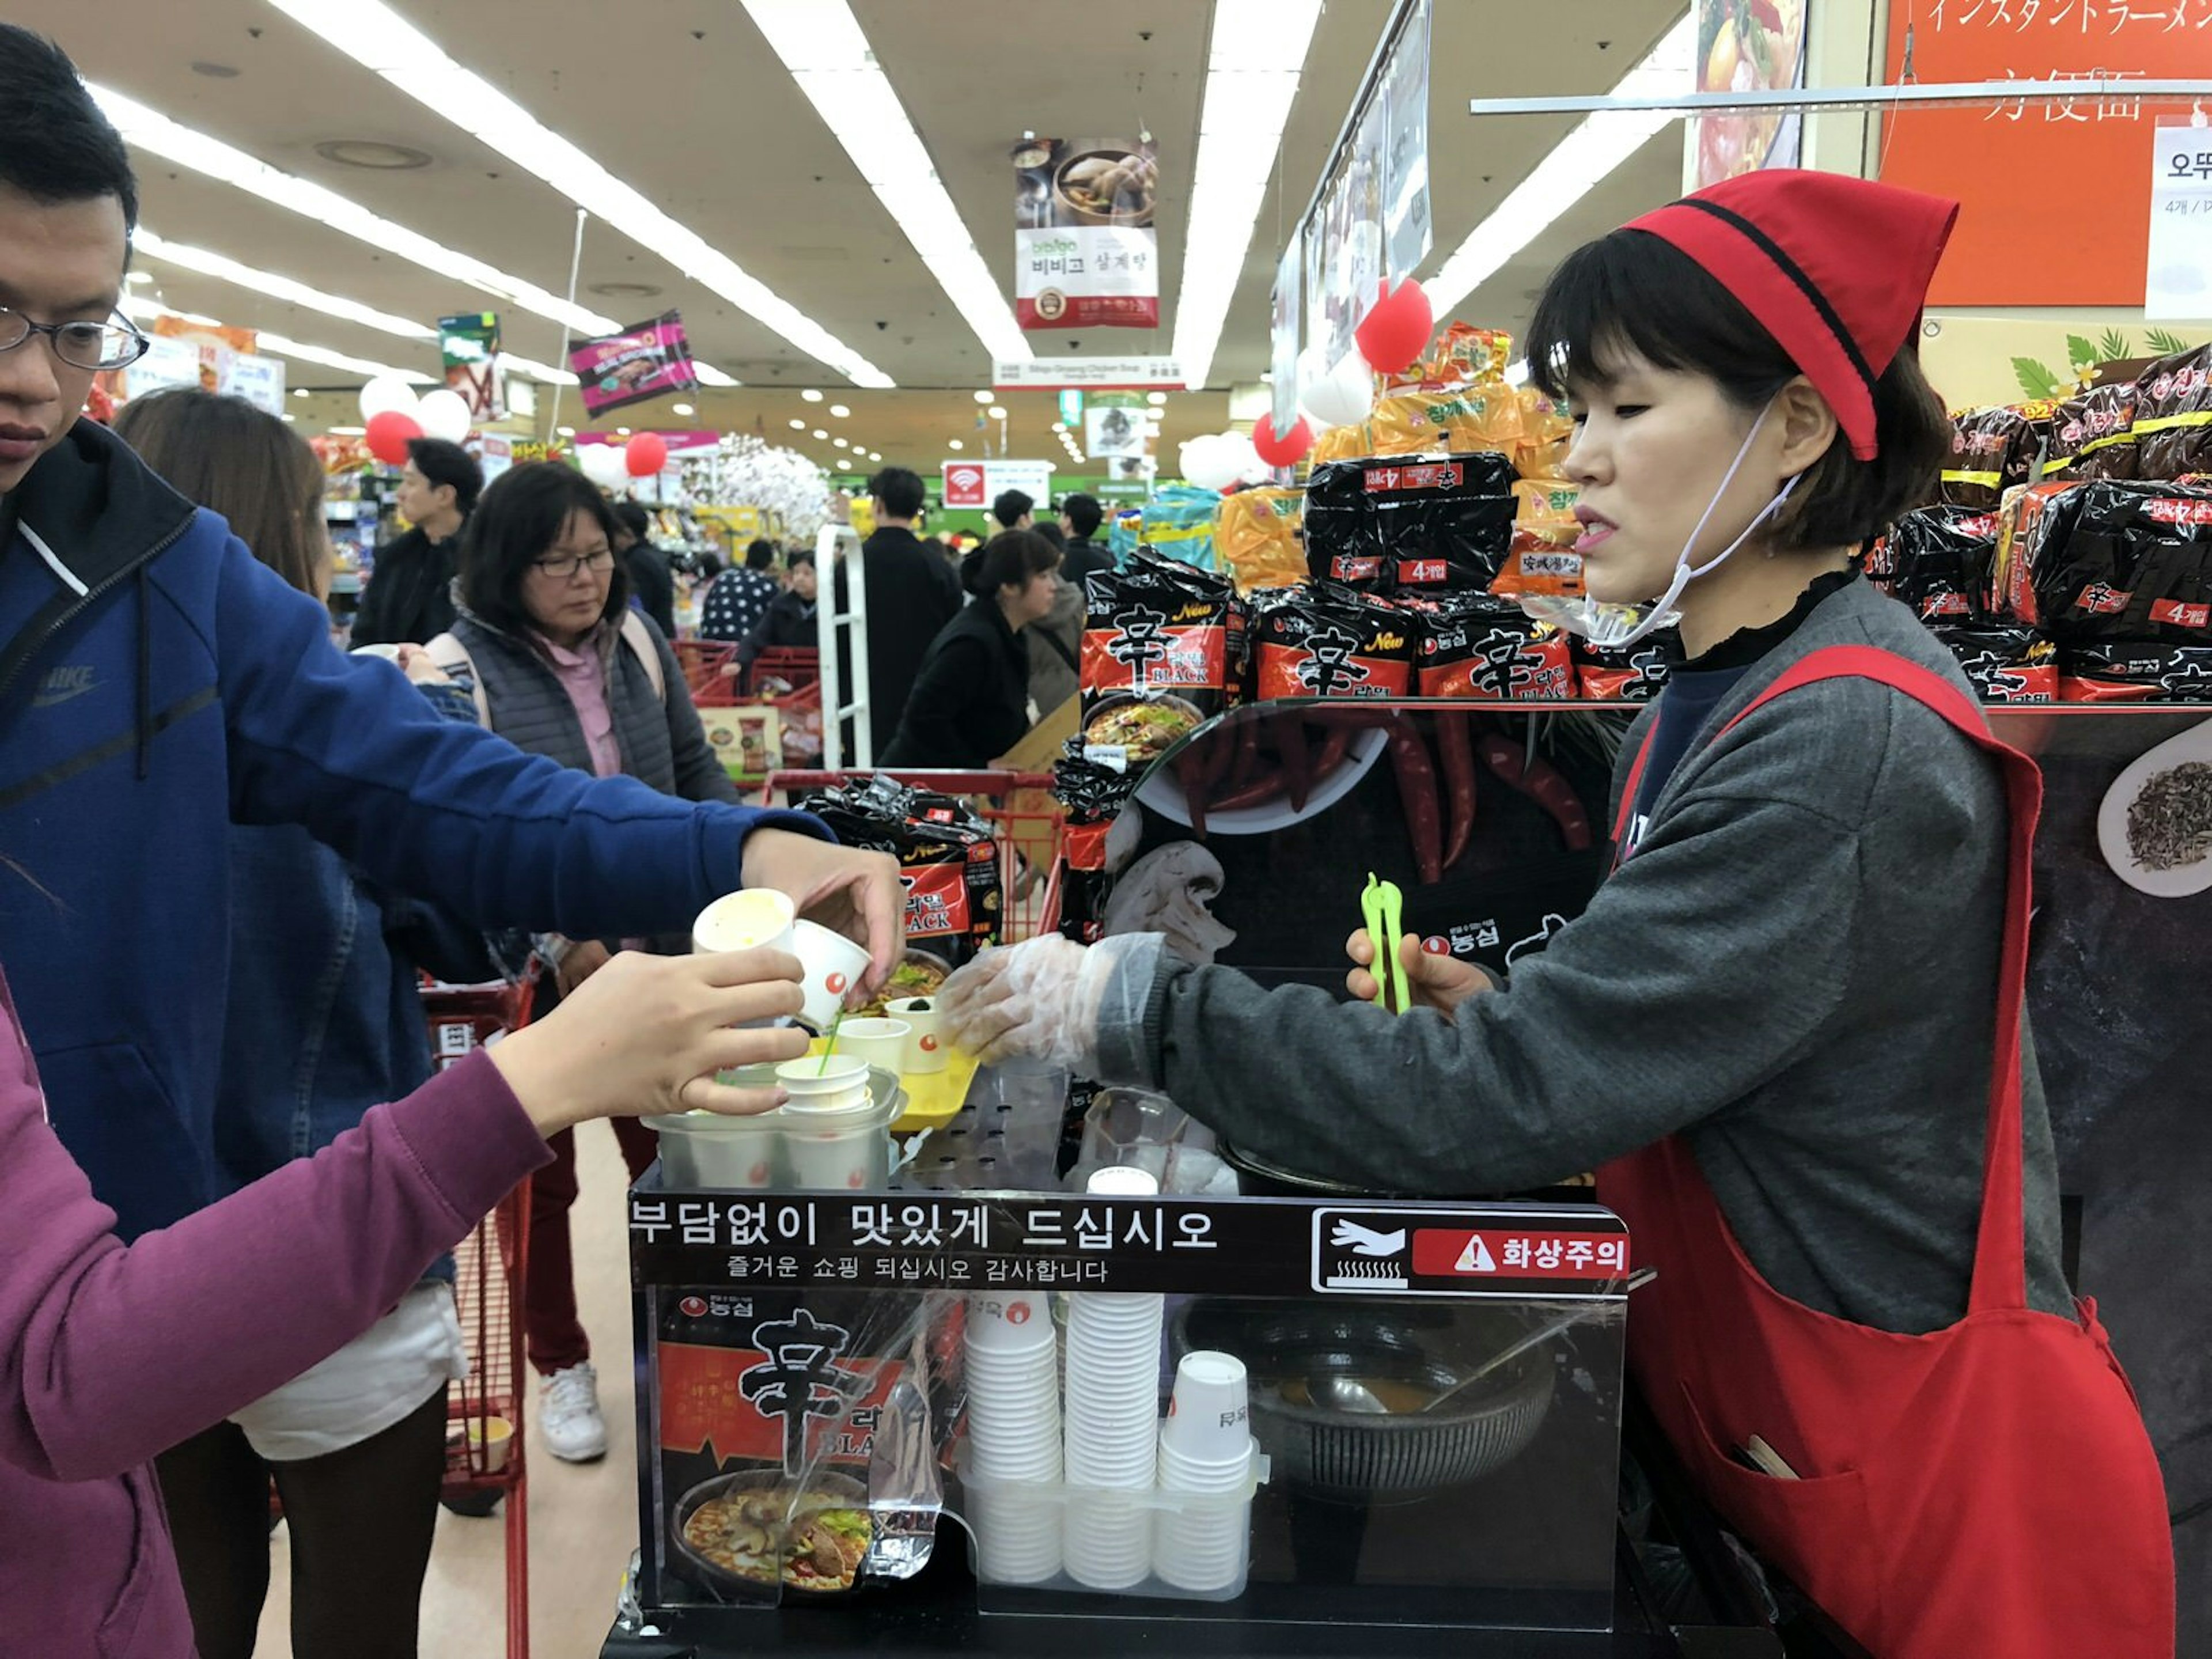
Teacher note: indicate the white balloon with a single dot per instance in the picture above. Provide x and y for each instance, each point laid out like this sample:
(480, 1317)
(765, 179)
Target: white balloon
(445, 415)
(1344, 396)
(387, 394)
(1213, 461)
(604, 465)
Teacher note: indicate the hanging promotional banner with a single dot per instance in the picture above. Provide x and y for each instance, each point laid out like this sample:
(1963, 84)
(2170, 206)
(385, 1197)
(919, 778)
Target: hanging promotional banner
(1409, 229)
(978, 483)
(1344, 255)
(1283, 337)
(639, 364)
(470, 346)
(1749, 46)
(2087, 152)
(259, 380)
(1091, 373)
(1114, 426)
(1085, 253)
(169, 362)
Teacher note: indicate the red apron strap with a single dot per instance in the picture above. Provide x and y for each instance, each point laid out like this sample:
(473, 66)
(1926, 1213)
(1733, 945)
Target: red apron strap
(1626, 815)
(2000, 1250)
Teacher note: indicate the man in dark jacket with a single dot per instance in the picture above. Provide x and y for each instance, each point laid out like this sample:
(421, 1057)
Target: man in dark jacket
(409, 599)
(158, 682)
(911, 593)
(652, 588)
(1079, 518)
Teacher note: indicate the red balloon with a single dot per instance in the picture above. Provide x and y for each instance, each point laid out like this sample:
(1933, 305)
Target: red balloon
(1287, 451)
(647, 453)
(389, 434)
(1397, 331)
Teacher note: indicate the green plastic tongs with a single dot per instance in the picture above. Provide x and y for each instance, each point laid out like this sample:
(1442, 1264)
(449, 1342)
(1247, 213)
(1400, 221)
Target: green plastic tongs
(1383, 906)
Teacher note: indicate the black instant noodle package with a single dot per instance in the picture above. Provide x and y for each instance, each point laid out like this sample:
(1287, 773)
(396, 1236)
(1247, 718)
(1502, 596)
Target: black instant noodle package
(1477, 645)
(1095, 794)
(2093, 436)
(1991, 450)
(2109, 560)
(1410, 523)
(1938, 560)
(1637, 674)
(2173, 416)
(1329, 641)
(948, 860)
(2125, 672)
(2006, 665)
(1162, 654)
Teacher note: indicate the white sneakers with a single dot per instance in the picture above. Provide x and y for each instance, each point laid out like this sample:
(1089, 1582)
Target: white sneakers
(569, 1415)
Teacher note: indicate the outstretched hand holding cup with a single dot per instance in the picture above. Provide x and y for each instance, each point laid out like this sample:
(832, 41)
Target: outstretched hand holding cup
(645, 1035)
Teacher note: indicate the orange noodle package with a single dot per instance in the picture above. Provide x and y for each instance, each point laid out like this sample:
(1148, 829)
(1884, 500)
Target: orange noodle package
(1259, 539)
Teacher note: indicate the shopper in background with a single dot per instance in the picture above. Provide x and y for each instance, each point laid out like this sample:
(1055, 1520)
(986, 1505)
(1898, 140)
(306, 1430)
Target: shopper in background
(912, 590)
(1080, 517)
(1055, 640)
(1014, 510)
(357, 1444)
(110, 1351)
(971, 702)
(737, 599)
(409, 598)
(563, 668)
(652, 586)
(788, 624)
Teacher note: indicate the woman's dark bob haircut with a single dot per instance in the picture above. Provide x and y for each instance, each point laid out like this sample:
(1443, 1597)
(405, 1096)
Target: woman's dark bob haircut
(1633, 294)
(521, 515)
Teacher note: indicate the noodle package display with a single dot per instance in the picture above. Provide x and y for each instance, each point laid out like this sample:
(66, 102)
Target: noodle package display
(948, 862)
(2005, 665)
(1324, 643)
(1258, 538)
(766, 1406)
(2125, 672)
(2093, 436)
(1160, 633)
(1475, 646)
(1991, 451)
(1421, 525)
(1637, 674)
(1939, 560)
(2110, 562)
(2173, 416)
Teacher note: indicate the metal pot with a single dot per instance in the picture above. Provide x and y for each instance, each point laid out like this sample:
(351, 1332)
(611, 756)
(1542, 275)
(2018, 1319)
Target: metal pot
(1356, 1457)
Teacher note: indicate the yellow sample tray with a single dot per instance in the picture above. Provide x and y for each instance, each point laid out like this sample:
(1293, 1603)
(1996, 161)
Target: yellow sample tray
(934, 1098)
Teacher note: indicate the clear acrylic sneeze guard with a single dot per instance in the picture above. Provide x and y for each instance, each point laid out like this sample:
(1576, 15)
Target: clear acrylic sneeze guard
(804, 1405)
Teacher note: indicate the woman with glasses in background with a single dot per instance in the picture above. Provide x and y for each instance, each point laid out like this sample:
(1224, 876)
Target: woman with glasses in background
(562, 667)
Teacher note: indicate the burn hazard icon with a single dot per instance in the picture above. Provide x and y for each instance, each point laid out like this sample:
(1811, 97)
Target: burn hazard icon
(1475, 1258)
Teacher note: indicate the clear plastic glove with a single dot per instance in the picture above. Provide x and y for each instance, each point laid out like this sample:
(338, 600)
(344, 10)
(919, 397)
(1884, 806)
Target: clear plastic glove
(1047, 998)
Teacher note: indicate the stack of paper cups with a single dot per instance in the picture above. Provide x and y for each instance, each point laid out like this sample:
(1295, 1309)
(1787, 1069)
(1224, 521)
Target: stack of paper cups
(1203, 1544)
(1113, 1410)
(1013, 1438)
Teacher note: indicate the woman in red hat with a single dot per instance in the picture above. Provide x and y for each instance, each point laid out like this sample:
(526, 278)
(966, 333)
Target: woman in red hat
(1789, 1030)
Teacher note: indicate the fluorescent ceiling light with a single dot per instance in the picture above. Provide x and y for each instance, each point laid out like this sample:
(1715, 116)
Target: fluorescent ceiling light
(986, 397)
(301, 392)
(139, 276)
(1577, 165)
(278, 345)
(818, 433)
(622, 432)
(820, 43)
(380, 40)
(1156, 398)
(225, 269)
(565, 431)
(157, 135)
(797, 425)
(1257, 49)
(684, 409)
(839, 410)
(810, 396)
(954, 443)
(841, 443)
(349, 432)
(997, 412)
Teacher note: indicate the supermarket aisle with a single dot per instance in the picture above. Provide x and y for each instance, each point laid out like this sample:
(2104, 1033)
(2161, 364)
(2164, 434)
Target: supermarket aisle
(583, 1522)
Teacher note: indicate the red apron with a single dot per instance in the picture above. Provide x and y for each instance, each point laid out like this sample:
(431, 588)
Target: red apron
(1984, 1492)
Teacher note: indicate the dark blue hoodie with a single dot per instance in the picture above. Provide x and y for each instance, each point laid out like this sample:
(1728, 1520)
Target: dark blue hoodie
(156, 683)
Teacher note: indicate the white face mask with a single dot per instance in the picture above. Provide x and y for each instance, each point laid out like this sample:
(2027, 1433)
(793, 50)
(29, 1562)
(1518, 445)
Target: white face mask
(1617, 627)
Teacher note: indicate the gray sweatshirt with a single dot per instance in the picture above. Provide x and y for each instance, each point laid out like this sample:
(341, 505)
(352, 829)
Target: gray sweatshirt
(1797, 972)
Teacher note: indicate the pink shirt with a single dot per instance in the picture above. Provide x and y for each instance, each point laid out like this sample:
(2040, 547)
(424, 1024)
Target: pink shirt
(583, 676)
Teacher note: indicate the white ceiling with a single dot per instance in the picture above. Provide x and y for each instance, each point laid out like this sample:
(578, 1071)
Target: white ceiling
(682, 100)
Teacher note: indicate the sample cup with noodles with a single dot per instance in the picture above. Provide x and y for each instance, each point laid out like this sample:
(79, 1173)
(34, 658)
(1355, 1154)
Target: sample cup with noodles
(756, 918)
(925, 1042)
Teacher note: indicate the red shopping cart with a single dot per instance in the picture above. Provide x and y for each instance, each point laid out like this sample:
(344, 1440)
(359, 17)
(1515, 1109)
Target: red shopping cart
(1028, 823)
(484, 1461)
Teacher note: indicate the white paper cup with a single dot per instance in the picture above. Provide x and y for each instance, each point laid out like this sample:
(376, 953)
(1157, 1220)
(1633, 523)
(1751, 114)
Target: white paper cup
(1123, 1181)
(710, 1150)
(391, 654)
(1013, 1322)
(833, 966)
(925, 1043)
(1106, 1542)
(881, 1043)
(853, 1162)
(1181, 1473)
(752, 918)
(1018, 1536)
(1209, 1415)
(825, 1086)
(494, 1439)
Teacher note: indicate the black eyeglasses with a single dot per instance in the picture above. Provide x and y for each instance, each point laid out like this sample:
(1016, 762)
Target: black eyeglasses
(562, 569)
(112, 344)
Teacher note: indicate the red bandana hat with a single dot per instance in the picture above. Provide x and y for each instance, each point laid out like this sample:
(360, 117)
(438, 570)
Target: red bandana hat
(1836, 268)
